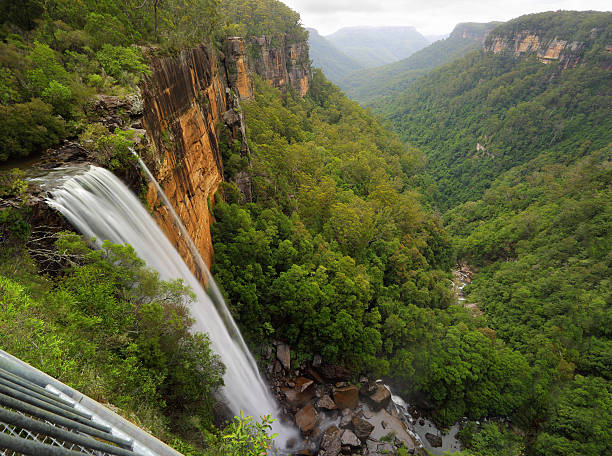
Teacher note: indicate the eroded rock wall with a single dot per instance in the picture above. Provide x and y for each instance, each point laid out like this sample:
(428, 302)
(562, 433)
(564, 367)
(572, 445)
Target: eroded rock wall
(184, 102)
(190, 103)
(473, 31)
(569, 54)
(282, 63)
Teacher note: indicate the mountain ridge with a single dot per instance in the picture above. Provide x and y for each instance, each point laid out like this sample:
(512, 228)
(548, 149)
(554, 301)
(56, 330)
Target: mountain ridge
(367, 85)
(372, 46)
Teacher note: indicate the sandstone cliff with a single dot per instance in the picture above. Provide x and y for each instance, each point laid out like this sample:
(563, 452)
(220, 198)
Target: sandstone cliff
(282, 63)
(191, 107)
(473, 30)
(568, 52)
(184, 104)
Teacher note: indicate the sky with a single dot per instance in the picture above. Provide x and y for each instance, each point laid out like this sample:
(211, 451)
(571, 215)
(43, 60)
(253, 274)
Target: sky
(430, 17)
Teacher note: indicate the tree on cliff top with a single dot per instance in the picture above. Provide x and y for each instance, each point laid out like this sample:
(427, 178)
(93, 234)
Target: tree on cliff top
(253, 18)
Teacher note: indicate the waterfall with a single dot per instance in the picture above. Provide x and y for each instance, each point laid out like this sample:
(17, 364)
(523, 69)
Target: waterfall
(101, 207)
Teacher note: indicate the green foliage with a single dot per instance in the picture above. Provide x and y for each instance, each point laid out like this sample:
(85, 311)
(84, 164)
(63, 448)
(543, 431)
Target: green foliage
(105, 29)
(111, 150)
(580, 420)
(338, 257)
(58, 96)
(123, 63)
(540, 235)
(372, 85)
(13, 184)
(490, 440)
(111, 328)
(255, 18)
(55, 48)
(27, 128)
(563, 25)
(243, 437)
(22, 13)
(486, 113)
(45, 68)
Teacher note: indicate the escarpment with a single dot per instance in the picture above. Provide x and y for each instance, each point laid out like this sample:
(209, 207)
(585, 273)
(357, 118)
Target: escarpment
(191, 113)
(568, 52)
(473, 31)
(282, 62)
(184, 101)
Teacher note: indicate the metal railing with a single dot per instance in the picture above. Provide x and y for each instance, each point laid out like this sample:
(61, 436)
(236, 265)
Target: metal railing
(41, 416)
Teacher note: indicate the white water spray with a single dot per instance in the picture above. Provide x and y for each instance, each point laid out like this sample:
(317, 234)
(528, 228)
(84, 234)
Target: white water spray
(100, 206)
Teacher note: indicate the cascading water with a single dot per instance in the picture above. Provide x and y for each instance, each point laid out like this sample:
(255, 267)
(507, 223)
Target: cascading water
(100, 206)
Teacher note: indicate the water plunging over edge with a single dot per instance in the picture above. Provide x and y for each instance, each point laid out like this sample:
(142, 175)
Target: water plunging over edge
(101, 207)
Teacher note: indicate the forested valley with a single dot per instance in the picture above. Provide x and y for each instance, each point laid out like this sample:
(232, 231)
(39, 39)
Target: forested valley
(469, 155)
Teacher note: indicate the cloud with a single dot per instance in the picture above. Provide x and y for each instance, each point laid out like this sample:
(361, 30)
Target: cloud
(428, 16)
(335, 6)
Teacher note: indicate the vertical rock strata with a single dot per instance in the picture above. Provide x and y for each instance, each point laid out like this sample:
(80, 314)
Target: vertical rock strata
(569, 54)
(189, 99)
(283, 64)
(184, 101)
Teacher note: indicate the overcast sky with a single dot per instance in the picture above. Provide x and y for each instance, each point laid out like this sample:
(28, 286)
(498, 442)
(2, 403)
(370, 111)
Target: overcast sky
(430, 17)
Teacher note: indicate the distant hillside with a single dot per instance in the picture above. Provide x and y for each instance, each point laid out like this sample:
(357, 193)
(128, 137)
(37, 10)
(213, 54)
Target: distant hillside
(434, 38)
(541, 84)
(335, 64)
(368, 85)
(375, 46)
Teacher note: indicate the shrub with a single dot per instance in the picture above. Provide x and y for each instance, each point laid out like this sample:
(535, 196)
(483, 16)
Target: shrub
(105, 29)
(247, 438)
(111, 150)
(27, 128)
(45, 67)
(123, 63)
(95, 80)
(60, 97)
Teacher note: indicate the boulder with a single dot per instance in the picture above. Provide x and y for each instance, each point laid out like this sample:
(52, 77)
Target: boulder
(326, 403)
(283, 353)
(303, 383)
(361, 428)
(330, 442)
(335, 373)
(313, 373)
(349, 438)
(306, 418)
(368, 388)
(372, 445)
(230, 117)
(296, 398)
(266, 351)
(346, 419)
(434, 440)
(317, 360)
(379, 398)
(346, 397)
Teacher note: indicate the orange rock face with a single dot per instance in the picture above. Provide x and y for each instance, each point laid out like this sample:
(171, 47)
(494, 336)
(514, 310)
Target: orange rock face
(184, 100)
(238, 69)
(187, 99)
(529, 43)
(569, 55)
(553, 51)
(281, 63)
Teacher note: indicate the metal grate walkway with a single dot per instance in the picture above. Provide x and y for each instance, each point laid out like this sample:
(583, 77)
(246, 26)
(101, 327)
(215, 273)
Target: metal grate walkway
(40, 416)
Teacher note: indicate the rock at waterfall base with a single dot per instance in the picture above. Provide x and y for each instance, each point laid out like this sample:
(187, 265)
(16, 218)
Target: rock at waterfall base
(346, 397)
(283, 353)
(434, 440)
(306, 418)
(361, 428)
(331, 443)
